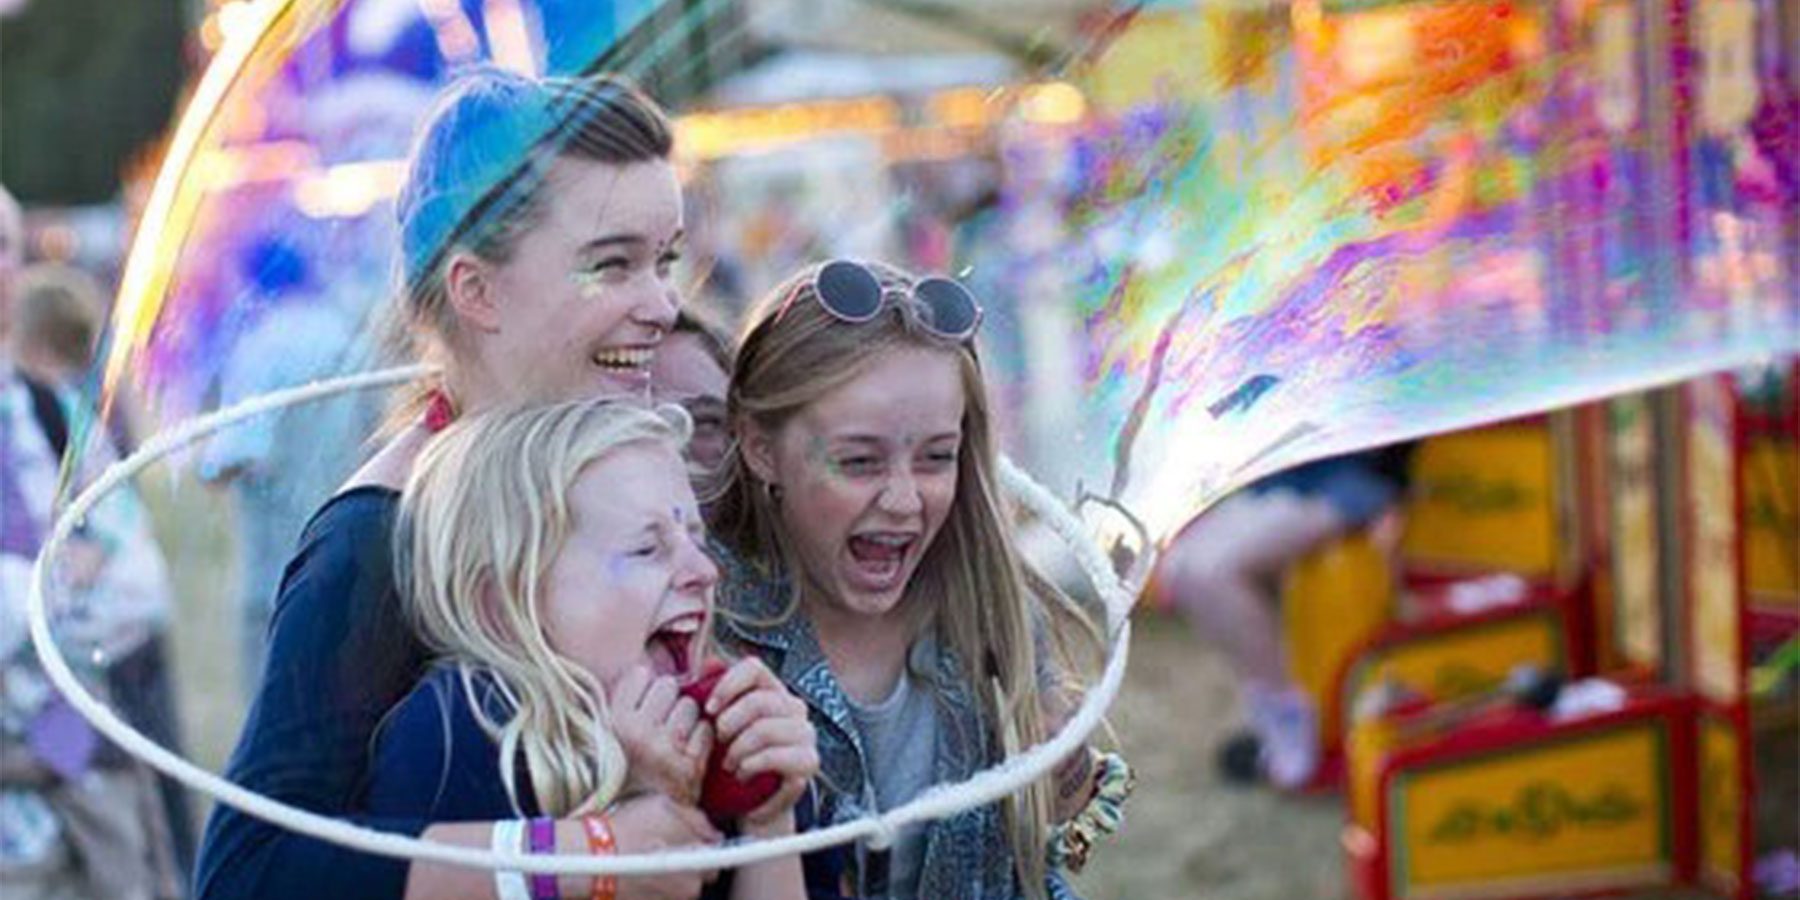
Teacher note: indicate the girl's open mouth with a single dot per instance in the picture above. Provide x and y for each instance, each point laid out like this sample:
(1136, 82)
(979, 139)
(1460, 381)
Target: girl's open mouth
(880, 556)
(673, 648)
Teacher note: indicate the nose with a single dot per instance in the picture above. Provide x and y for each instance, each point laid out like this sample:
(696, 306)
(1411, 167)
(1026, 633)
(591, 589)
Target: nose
(658, 308)
(900, 493)
(695, 570)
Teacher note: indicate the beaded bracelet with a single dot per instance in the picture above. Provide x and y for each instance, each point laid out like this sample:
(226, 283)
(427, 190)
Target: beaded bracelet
(601, 843)
(1071, 841)
(507, 837)
(543, 840)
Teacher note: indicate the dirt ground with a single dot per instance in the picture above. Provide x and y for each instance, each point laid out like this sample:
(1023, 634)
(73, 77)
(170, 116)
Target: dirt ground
(1186, 834)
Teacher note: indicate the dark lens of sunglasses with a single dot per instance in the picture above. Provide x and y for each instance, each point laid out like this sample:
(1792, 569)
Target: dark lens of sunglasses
(850, 291)
(950, 305)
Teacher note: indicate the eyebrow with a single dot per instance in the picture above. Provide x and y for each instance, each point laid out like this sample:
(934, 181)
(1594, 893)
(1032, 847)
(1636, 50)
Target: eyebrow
(659, 522)
(610, 241)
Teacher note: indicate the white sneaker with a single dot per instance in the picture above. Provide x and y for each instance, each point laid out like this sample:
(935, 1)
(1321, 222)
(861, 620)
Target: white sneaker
(1287, 725)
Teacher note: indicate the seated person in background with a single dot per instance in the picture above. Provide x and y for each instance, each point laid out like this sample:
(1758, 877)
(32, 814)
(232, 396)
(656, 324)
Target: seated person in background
(1223, 574)
(553, 560)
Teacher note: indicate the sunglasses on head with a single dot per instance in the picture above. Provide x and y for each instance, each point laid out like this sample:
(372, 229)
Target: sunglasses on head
(852, 293)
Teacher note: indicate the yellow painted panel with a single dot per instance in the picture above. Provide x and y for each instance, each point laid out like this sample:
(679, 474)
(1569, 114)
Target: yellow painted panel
(1581, 807)
(1772, 522)
(1721, 801)
(1333, 600)
(1485, 500)
(1469, 661)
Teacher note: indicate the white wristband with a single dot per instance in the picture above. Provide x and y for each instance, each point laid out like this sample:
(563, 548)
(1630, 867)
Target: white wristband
(508, 836)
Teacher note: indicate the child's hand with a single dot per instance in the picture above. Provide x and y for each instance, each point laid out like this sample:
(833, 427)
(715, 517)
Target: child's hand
(665, 742)
(654, 822)
(764, 729)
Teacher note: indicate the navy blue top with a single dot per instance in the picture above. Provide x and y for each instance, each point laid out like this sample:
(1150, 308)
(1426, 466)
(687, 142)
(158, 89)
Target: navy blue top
(340, 656)
(434, 761)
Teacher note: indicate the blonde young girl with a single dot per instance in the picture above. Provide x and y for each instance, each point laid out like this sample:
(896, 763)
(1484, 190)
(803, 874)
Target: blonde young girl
(876, 575)
(552, 559)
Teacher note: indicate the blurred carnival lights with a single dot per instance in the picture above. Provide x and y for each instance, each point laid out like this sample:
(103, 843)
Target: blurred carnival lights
(348, 190)
(1053, 103)
(246, 28)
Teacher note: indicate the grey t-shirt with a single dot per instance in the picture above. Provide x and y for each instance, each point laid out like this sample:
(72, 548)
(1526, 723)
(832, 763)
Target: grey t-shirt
(899, 734)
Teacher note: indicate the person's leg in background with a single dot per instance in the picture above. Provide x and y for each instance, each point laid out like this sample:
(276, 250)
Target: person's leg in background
(1222, 573)
(144, 692)
(112, 824)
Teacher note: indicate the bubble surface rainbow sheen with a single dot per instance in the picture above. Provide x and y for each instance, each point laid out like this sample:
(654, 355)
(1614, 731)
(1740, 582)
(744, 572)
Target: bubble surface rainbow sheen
(1212, 239)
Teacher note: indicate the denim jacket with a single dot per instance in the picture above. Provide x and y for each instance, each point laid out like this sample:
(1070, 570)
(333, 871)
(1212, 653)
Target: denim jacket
(968, 855)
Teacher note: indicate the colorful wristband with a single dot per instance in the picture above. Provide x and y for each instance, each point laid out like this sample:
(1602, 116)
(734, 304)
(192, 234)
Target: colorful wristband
(509, 885)
(543, 841)
(1071, 841)
(602, 843)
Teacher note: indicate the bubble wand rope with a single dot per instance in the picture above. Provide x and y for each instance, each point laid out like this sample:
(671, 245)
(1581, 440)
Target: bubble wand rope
(938, 802)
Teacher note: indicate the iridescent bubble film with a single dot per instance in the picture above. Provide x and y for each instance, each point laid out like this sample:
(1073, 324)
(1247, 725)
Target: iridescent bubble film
(1212, 239)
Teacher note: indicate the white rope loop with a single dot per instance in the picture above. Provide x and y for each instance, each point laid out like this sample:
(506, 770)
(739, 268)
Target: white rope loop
(939, 802)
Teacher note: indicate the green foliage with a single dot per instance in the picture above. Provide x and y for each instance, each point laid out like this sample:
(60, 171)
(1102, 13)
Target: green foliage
(84, 86)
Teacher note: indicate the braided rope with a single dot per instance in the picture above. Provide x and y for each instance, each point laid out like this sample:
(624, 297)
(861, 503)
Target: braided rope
(937, 803)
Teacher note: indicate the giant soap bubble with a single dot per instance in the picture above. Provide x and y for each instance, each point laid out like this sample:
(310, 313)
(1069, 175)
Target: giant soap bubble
(1213, 235)
(1214, 239)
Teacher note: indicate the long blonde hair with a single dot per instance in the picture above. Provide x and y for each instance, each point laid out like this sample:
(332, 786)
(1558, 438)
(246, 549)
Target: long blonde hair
(792, 354)
(482, 518)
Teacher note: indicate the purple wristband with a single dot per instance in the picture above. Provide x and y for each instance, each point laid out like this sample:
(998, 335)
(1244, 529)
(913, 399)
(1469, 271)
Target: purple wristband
(542, 839)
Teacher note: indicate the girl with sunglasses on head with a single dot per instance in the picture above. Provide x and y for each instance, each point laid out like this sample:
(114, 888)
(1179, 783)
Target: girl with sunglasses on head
(553, 557)
(872, 568)
(539, 222)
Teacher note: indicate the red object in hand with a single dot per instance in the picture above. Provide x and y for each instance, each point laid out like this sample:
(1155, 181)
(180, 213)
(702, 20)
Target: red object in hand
(724, 796)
